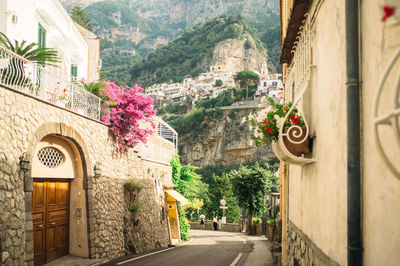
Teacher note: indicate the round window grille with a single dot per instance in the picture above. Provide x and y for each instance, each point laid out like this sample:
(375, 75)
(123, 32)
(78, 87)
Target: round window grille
(50, 157)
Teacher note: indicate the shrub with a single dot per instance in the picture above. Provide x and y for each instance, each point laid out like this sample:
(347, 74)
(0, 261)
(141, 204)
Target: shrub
(134, 207)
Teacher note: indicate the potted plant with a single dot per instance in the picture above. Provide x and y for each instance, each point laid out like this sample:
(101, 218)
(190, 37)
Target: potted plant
(294, 130)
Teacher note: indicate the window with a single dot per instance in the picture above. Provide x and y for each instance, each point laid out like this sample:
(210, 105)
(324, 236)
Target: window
(74, 71)
(41, 36)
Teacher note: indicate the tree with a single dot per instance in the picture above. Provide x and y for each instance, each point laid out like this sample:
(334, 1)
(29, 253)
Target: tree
(251, 185)
(189, 184)
(79, 16)
(221, 188)
(245, 77)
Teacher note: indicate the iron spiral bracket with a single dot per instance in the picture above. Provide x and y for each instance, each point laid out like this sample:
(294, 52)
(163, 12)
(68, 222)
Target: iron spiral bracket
(295, 135)
(391, 118)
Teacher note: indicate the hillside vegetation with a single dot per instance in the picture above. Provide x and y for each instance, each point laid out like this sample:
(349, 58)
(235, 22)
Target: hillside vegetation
(191, 52)
(131, 29)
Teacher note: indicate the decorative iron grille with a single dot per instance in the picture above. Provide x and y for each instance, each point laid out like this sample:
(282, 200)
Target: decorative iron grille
(50, 157)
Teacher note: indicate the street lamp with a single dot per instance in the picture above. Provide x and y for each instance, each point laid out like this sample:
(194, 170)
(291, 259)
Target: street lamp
(223, 207)
(25, 166)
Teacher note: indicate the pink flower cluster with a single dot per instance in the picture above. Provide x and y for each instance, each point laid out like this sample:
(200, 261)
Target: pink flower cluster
(126, 112)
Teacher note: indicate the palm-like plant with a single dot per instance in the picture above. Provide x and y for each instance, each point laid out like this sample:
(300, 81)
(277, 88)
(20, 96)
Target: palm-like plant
(32, 51)
(14, 73)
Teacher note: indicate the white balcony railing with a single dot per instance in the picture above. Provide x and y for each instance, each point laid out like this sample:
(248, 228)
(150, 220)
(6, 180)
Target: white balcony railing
(47, 83)
(54, 86)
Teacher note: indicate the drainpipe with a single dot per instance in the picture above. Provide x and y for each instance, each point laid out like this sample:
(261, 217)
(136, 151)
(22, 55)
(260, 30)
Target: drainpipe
(354, 255)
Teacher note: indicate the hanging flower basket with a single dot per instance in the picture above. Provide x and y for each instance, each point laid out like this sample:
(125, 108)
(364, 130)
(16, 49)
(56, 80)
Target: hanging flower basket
(296, 141)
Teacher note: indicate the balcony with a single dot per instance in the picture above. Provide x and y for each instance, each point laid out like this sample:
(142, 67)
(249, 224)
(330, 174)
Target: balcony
(52, 85)
(48, 84)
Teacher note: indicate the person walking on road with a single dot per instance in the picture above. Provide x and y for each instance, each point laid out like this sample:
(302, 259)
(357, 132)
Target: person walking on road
(215, 222)
(202, 222)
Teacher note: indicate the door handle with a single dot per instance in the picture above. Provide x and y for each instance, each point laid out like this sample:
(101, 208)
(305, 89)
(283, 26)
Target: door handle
(53, 223)
(39, 226)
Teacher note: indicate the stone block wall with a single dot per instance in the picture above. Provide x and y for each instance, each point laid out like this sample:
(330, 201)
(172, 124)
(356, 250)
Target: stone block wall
(302, 251)
(24, 121)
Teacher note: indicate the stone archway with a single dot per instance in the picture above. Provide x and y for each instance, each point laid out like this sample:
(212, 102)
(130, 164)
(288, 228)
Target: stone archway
(71, 176)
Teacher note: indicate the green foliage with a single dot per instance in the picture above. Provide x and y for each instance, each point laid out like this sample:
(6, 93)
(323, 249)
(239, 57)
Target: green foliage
(218, 83)
(251, 185)
(134, 207)
(109, 17)
(272, 222)
(94, 87)
(222, 188)
(31, 52)
(191, 52)
(132, 185)
(250, 189)
(184, 225)
(79, 16)
(257, 220)
(188, 183)
(132, 188)
(267, 127)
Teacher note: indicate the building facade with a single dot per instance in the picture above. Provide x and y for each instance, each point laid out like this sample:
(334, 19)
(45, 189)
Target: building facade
(47, 23)
(340, 202)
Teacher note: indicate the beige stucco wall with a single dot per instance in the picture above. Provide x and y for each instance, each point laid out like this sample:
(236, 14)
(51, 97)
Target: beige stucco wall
(381, 190)
(317, 192)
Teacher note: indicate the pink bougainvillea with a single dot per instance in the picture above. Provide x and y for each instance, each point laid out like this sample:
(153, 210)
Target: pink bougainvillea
(126, 112)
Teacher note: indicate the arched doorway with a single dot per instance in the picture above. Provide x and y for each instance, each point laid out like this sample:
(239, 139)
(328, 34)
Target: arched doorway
(58, 200)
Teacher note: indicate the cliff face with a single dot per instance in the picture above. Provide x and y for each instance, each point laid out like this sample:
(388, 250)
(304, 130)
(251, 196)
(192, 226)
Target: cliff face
(232, 54)
(228, 142)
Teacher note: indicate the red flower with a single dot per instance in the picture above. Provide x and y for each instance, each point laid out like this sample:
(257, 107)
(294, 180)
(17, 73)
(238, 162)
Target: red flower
(265, 122)
(292, 117)
(268, 130)
(388, 11)
(64, 90)
(296, 121)
(58, 82)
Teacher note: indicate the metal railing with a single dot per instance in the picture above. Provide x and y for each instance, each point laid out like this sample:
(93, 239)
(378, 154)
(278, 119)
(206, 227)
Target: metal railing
(48, 83)
(166, 131)
(54, 86)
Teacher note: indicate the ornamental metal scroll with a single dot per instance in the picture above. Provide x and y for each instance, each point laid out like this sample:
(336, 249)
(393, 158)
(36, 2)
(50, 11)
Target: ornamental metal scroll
(292, 133)
(391, 118)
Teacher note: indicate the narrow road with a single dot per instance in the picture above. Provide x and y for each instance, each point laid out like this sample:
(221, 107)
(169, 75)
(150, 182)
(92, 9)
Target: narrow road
(210, 248)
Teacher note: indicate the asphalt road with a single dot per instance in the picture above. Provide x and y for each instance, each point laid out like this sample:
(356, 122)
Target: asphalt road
(206, 248)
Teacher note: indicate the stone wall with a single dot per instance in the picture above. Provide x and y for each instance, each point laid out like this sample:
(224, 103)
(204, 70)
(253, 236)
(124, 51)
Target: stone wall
(302, 251)
(24, 121)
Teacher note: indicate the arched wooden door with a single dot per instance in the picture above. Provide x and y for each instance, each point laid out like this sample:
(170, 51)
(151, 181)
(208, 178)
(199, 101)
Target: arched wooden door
(50, 215)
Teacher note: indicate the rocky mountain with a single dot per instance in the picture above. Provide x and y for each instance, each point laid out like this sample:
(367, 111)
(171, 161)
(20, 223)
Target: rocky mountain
(228, 141)
(130, 29)
(225, 41)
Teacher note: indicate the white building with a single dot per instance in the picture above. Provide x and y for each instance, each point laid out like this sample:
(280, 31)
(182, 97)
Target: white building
(47, 23)
(270, 84)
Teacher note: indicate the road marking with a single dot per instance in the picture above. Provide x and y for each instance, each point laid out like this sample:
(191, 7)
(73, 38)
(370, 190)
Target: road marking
(136, 258)
(237, 259)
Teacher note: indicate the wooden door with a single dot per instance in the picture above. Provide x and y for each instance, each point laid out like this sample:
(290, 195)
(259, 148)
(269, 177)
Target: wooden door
(50, 215)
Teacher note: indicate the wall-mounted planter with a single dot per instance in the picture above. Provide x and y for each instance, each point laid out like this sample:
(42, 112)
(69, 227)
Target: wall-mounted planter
(300, 144)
